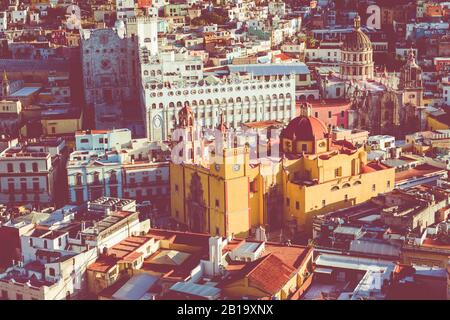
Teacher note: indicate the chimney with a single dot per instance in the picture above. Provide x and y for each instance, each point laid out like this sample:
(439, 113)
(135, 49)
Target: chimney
(215, 253)
(261, 234)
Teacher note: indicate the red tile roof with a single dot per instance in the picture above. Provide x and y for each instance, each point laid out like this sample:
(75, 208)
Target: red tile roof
(190, 238)
(262, 124)
(81, 132)
(293, 255)
(373, 166)
(435, 243)
(283, 57)
(270, 274)
(420, 170)
(103, 264)
(329, 103)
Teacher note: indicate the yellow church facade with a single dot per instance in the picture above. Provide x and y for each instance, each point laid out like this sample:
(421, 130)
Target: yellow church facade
(338, 190)
(315, 175)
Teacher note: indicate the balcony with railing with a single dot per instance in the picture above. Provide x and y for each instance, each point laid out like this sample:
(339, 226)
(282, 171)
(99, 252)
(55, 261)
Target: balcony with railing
(145, 184)
(113, 181)
(95, 183)
(24, 190)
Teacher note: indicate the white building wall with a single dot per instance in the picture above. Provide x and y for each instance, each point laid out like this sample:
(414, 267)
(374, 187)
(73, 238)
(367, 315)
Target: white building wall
(240, 100)
(3, 21)
(446, 94)
(324, 54)
(43, 177)
(133, 227)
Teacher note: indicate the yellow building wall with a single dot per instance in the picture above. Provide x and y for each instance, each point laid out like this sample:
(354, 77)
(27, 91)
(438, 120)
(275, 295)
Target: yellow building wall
(204, 181)
(225, 193)
(241, 192)
(177, 192)
(357, 189)
(97, 281)
(421, 257)
(433, 124)
(238, 211)
(241, 288)
(61, 126)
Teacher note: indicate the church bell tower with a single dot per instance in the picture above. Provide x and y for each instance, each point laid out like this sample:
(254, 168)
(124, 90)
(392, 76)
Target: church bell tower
(411, 82)
(5, 86)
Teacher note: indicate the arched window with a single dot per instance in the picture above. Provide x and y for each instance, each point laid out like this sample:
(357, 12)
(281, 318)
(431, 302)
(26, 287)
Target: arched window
(35, 167)
(113, 177)
(357, 183)
(334, 188)
(346, 185)
(22, 167)
(78, 181)
(96, 178)
(145, 73)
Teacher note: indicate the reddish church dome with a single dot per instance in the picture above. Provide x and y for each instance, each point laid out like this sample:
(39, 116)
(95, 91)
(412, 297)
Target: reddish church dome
(305, 127)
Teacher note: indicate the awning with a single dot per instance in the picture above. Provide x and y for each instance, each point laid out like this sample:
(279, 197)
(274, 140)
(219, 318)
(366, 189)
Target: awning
(323, 270)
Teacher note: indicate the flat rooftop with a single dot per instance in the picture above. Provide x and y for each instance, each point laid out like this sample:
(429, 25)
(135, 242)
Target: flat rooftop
(25, 92)
(271, 69)
(418, 171)
(106, 223)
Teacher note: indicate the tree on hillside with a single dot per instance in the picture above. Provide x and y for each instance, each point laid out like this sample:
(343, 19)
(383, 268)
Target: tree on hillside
(211, 17)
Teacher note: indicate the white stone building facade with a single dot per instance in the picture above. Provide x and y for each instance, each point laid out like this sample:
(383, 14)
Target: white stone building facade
(27, 175)
(112, 164)
(240, 99)
(111, 60)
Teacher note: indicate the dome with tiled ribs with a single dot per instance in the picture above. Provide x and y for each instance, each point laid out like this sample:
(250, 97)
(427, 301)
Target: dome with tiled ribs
(305, 127)
(357, 40)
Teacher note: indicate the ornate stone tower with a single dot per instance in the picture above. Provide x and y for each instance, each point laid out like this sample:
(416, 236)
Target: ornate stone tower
(187, 136)
(5, 86)
(357, 55)
(411, 82)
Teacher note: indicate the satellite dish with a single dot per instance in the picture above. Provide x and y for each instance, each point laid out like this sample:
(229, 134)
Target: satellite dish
(73, 14)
